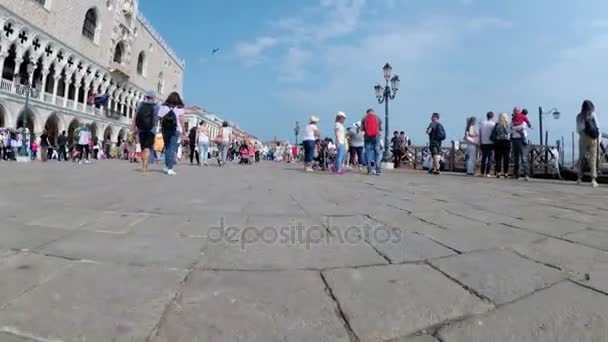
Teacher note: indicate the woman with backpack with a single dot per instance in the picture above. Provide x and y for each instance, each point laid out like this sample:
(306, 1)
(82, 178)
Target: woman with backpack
(589, 134)
(501, 136)
(171, 113)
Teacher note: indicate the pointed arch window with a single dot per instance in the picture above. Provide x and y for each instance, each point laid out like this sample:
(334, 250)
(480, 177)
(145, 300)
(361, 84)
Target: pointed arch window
(90, 24)
(118, 52)
(141, 63)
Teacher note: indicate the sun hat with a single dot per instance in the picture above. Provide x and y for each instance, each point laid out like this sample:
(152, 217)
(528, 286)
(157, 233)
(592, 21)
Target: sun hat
(314, 118)
(341, 114)
(151, 94)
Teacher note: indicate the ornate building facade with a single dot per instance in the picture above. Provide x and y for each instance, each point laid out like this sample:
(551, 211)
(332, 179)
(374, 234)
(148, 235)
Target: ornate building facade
(91, 62)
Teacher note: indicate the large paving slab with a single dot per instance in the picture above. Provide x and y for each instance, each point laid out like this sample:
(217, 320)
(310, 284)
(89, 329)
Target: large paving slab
(399, 300)
(592, 238)
(22, 272)
(19, 236)
(499, 275)
(251, 306)
(8, 337)
(575, 259)
(135, 249)
(564, 312)
(94, 303)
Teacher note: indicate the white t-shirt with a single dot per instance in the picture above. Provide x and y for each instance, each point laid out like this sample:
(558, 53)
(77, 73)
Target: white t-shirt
(203, 138)
(486, 132)
(226, 134)
(340, 133)
(178, 113)
(309, 132)
(84, 137)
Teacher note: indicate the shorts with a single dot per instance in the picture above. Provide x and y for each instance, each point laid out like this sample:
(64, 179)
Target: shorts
(435, 149)
(146, 140)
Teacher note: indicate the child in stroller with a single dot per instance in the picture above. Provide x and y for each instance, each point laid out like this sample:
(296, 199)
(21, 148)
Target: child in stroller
(244, 151)
(325, 155)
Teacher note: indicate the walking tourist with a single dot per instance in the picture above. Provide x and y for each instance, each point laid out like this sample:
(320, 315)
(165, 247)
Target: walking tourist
(44, 146)
(202, 139)
(589, 133)
(356, 144)
(397, 144)
(171, 114)
(62, 141)
(193, 147)
(372, 126)
(340, 133)
(487, 145)
(83, 144)
(472, 139)
(145, 124)
(437, 135)
(311, 134)
(519, 144)
(223, 143)
(501, 136)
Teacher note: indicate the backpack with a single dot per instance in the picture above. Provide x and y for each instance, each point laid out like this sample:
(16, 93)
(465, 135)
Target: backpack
(591, 128)
(169, 123)
(144, 121)
(371, 125)
(439, 133)
(499, 133)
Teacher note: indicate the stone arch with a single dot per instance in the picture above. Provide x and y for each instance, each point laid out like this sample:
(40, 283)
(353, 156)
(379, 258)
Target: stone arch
(122, 135)
(91, 24)
(108, 132)
(4, 116)
(119, 53)
(53, 127)
(142, 63)
(74, 125)
(32, 118)
(94, 129)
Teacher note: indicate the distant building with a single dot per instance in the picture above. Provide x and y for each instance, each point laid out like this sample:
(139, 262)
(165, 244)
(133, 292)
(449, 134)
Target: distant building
(92, 62)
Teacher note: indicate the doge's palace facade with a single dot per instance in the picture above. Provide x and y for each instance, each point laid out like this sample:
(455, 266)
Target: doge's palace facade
(92, 61)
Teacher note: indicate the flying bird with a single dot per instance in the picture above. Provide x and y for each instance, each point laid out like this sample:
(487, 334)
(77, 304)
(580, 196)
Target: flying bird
(214, 51)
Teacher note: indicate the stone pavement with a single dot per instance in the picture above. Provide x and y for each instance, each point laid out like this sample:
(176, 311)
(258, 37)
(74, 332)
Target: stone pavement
(99, 253)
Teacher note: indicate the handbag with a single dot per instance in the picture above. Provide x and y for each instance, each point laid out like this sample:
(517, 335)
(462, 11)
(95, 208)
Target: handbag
(219, 139)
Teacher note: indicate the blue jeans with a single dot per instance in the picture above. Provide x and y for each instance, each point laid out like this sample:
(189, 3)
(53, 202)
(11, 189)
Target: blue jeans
(471, 158)
(203, 152)
(341, 153)
(520, 158)
(170, 139)
(309, 151)
(372, 154)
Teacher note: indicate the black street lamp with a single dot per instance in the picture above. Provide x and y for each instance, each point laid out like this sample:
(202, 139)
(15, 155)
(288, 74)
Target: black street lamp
(384, 95)
(27, 89)
(541, 113)
(296, 131)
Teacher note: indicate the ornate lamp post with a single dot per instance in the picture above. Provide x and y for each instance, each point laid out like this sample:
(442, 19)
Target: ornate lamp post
(541, 113)
(27, 89)
(384, 95)
(296, 131)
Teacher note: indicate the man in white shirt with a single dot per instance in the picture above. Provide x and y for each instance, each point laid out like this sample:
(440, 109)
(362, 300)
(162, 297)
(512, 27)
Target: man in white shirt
(487, 145)
(83, 143)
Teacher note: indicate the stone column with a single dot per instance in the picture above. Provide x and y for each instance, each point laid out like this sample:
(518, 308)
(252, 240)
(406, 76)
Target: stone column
(56, 78)
(68, 82)
(45, 73)
(86, 97)
(76, 92)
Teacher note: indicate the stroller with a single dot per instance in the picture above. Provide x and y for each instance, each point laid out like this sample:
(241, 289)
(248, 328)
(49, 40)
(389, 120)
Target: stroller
(244, 151)
(326, 157)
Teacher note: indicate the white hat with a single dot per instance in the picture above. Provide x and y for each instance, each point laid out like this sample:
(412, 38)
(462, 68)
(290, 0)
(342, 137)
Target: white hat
(341, 114)
(314, 119)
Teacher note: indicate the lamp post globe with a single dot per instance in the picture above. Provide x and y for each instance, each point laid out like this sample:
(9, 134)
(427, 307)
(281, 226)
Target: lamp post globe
(384, 94)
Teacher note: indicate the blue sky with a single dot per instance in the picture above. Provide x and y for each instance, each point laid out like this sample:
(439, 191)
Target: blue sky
(280, 61)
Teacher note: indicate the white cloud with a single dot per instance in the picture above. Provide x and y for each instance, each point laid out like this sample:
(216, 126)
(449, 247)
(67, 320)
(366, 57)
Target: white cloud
(482, 23)
(251, 52)
(293, 64)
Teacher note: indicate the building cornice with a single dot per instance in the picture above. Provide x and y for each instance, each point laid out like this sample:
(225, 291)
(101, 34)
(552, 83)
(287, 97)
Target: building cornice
(159, 39)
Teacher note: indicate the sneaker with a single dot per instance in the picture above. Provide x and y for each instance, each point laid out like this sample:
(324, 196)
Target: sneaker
(594, 184)
(578, 181)
(488, 175)
(527, 179)
(340, 173)
(165, 169)
(87, 162)
(170, 172)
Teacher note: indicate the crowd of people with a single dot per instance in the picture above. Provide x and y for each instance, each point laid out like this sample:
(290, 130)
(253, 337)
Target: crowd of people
(503, 139)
